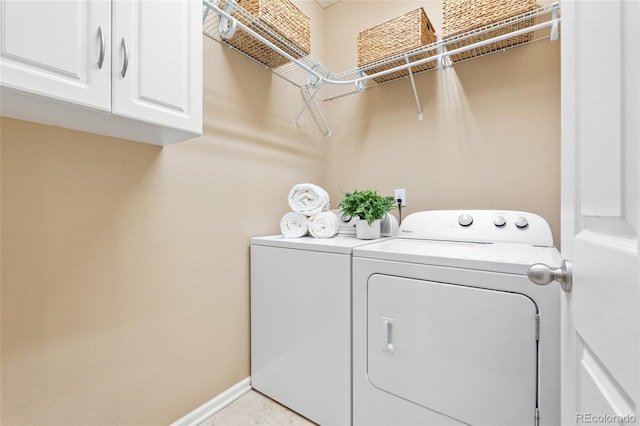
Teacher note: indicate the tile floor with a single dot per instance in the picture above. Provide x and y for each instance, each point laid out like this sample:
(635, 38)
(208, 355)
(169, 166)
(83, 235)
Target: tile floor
(253, 408)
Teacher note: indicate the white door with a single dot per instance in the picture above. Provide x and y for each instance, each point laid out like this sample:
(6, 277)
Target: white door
(59, 49)
(600, 214)
(157, 63)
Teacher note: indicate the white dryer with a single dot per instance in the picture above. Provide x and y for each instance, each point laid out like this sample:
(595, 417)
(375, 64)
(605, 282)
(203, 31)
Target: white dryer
(447, 328)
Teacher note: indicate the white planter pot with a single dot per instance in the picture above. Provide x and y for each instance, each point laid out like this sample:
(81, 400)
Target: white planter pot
(364, 231)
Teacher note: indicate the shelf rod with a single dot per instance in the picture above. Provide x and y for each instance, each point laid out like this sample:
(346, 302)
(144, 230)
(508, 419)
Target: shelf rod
(415, 92)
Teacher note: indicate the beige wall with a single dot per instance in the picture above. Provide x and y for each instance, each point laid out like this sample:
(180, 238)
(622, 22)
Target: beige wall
(125, 266)
(490, 138)
(125, 269)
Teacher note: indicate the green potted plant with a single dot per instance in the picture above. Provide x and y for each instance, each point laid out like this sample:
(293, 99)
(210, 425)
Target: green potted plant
(370, 208)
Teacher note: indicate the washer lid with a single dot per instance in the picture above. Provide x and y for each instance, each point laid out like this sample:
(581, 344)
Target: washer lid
(513, 258)
(338, 244)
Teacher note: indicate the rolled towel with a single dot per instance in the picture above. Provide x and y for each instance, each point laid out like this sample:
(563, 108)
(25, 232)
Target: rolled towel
(294, 225)
(324, 225)
(308, 199)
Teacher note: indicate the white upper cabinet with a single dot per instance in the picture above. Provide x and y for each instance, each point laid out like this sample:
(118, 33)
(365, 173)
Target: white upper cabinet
(53, 48)
(125, 68)
(154, 71)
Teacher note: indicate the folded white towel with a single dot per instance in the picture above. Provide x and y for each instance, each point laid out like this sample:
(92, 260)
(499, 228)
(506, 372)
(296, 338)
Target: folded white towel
(324, 225)
(294, 225)
(308, 199)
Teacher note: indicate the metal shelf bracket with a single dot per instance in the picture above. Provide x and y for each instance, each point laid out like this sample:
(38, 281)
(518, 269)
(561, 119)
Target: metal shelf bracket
(227, 26)
(553, 36)
(442, 62)
(312, 101)
(415, 91)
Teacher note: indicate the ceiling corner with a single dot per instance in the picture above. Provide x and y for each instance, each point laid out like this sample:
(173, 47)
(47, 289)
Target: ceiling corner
(326, 3)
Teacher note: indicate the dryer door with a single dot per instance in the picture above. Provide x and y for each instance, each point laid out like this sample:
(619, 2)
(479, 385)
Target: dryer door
(468, 353)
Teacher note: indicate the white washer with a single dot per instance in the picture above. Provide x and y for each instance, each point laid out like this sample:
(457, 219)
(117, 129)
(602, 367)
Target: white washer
(448, 330)
(301, 324)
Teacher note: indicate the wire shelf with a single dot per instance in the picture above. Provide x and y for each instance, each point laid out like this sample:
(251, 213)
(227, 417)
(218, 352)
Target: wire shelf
(321, 84)
(520, 23)
(291, 72)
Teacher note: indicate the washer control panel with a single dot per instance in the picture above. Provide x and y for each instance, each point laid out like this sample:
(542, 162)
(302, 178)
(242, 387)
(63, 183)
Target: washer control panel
(520, 222)
(479, 226)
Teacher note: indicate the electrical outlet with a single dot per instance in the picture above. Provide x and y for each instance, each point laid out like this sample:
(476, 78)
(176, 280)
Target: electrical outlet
(401, 195)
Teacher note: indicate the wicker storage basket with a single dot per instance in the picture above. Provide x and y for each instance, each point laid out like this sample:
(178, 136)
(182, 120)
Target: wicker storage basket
(461, 16)
(281, 16)
(399, 35)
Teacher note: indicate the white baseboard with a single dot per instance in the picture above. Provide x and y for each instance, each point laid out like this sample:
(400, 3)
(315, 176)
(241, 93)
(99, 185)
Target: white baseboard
(209, 408)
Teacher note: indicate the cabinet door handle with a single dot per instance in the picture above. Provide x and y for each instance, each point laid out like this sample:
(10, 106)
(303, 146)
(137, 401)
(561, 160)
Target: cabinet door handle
(101, 57)
(125, 64)
(387, 332)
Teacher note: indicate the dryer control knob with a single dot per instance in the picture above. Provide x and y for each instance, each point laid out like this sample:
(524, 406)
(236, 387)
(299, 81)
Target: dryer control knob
(521, 222)
(499, 221)
(465, 220)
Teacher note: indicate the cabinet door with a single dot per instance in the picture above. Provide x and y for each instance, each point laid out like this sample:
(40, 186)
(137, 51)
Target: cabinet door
(52, 48)
(157, 62)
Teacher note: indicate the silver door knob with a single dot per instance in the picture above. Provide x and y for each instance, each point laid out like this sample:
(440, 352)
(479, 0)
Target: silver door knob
(542, 274)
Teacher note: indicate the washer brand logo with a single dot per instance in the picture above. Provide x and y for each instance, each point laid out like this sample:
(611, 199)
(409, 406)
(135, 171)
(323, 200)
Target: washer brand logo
(407, 231)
